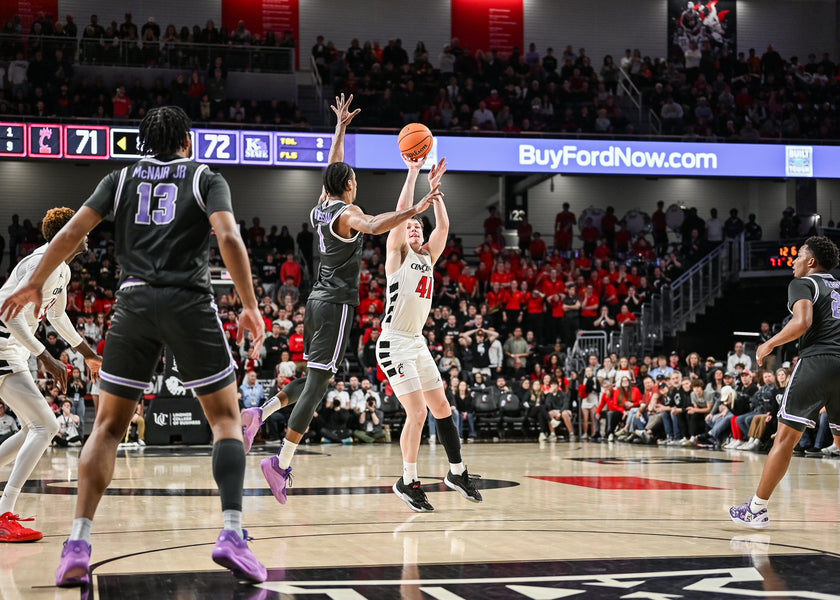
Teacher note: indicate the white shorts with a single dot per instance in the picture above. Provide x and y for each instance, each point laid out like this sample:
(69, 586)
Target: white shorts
(407, 362)
(589, 402)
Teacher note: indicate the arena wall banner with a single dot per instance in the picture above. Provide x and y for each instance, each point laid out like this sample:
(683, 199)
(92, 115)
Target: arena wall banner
(701, 21)
(261, 16)
(489, 24)
(608, 157)
(28, 11)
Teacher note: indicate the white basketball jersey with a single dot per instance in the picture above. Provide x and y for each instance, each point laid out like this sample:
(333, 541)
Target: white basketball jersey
(12, 351)
(410, 294)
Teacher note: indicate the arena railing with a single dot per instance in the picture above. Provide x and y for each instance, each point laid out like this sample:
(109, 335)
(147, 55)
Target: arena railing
(174, 55)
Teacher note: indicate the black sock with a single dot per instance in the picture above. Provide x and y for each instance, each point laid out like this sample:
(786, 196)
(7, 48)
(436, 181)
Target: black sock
(229, 472)
(448, 436)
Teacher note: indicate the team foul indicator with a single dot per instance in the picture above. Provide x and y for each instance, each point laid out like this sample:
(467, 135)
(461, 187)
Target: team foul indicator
(12, 139)
(415, 141)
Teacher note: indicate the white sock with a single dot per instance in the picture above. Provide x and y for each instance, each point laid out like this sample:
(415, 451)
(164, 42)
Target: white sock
(81, 529)
(233, 521)
(7, 502)
(287, 452)
(271, 406)
(756, 504)
(457, 468)
(409, 473)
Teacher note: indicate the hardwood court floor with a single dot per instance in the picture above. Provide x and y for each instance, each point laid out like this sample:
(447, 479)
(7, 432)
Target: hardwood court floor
(558, 520)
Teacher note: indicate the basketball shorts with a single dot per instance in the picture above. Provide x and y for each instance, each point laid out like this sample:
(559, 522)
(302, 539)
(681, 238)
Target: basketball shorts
(147, 318)
(326, 330)
(407, 362)
(814, 383)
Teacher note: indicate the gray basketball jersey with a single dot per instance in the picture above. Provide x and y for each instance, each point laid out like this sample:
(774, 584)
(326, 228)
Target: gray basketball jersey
(341, 258)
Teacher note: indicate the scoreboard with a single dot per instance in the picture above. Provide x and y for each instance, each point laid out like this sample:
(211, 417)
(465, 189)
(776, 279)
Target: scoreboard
(214, 146)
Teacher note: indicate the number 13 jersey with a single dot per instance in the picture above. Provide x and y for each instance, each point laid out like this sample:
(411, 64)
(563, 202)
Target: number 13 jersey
(410, 294)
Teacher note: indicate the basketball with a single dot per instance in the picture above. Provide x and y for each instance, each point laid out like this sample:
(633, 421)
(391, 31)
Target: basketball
(415, 140)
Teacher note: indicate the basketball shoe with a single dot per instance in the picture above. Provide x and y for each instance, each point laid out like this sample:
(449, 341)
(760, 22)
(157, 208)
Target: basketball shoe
(743, 515)
(464, 485)
(412, 495)
(278, 479)
(251, 421)
(232, 552)
(12, 531)
(74, 568)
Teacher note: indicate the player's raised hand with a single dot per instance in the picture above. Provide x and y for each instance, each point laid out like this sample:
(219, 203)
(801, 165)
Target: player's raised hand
(341, 108)
(414, 164)
(23, 295)
(436, 173)
(435, 195)
(251, 319)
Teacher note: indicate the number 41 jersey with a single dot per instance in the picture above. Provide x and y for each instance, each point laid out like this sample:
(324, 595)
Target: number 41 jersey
(823, 337)
(410, 294)
(161, 207)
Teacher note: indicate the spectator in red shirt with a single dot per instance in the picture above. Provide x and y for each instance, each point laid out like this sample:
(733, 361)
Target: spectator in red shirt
(494, 101)
(589, 307)
(535, 307)
(290, 268)
(454, 266)
(615, 411)
(371, 300)
(565, 220)
(231, 325)
(589, 234)
(625, 316)
(467, 284)
(609, 294)
(121, 104)
(493, 226)
(296, 346)
(537, 249)
(608, 224)
(603, 250)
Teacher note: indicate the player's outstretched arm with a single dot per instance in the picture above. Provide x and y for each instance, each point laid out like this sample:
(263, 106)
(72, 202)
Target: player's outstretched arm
(437, 239)
(397, 236)
(354, 218)
(341, 108)
(236, 260)
(62, 247)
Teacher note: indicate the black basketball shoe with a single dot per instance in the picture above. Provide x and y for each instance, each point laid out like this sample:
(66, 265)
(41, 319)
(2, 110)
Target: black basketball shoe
(464, 485)
(413, 495)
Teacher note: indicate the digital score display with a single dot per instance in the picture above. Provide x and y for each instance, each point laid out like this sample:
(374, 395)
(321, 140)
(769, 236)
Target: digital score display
(12, 139)
(302, 149)
(218, 146)
(46, 141)
(88, 141)
(783, 259)
(125, 143)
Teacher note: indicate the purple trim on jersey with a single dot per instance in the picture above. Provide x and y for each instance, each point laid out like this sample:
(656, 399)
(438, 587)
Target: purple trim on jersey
(132, 383)
(208, 380)
(782, 413)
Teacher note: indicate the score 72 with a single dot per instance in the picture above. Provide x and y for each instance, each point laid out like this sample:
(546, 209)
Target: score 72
(214, 139)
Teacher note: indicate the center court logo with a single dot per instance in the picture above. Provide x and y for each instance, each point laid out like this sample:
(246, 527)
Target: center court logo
(799, 161)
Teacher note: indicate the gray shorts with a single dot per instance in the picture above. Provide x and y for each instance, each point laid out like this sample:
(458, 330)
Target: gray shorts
(147, 318)
(326, 330)
(814, 383)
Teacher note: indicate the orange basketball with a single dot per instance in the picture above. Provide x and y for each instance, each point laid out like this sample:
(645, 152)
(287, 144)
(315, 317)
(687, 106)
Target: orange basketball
(415, 140)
